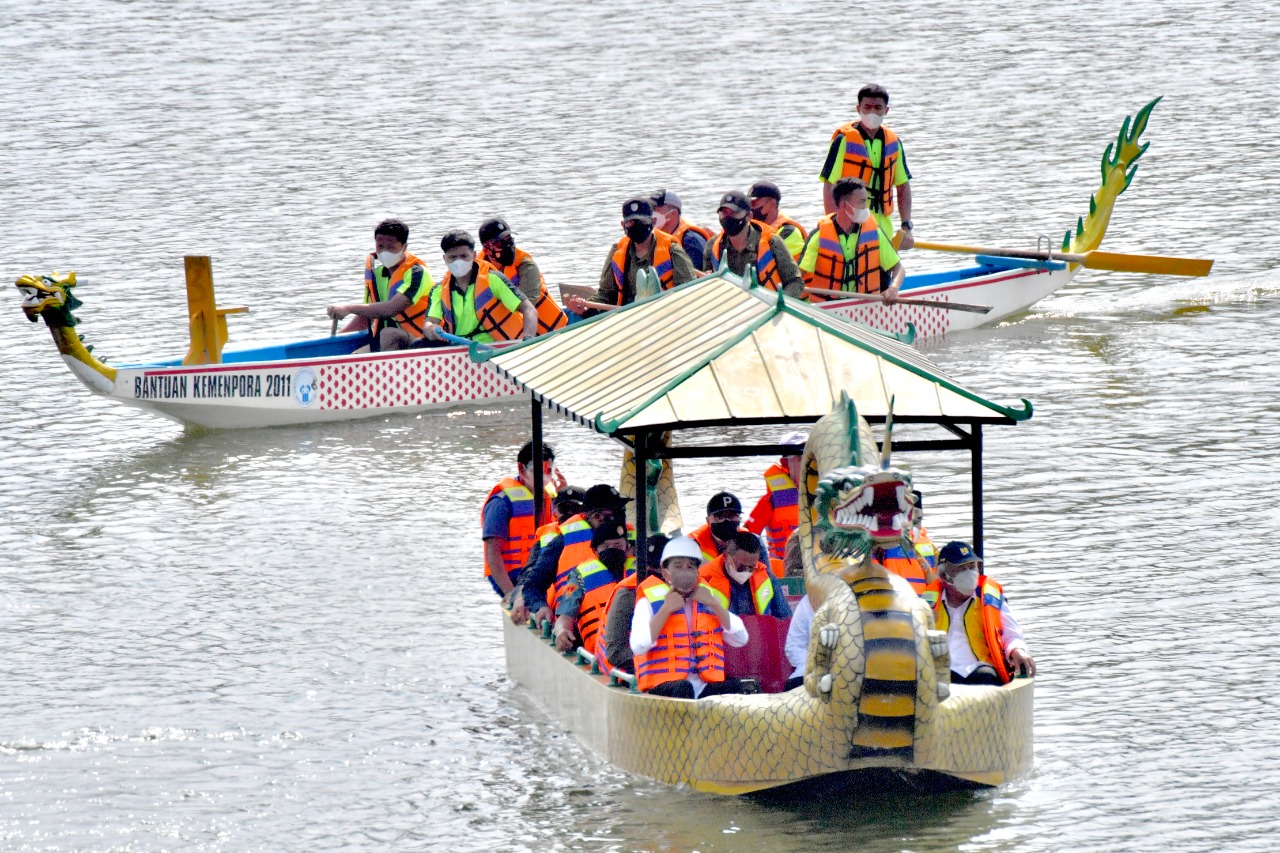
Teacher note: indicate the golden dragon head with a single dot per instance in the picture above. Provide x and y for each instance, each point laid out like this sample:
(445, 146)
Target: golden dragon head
(49, 296)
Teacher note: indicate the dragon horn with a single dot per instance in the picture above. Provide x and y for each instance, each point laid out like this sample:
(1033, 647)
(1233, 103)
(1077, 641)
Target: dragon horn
(888, 438)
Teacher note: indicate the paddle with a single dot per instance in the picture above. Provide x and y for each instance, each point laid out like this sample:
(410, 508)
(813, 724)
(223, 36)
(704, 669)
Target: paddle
(928, 303)
(455, 339)
(1095, 260)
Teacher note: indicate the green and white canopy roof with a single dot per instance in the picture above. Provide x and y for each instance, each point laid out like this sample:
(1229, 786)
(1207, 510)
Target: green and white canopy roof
(713, 353)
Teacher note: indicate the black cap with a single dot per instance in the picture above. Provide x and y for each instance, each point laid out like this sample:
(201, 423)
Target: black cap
(665, 196)
(766, 189)
(654, 544)
(456, 238)
(735, 201)
(493, 229)
(606, 532)
(917, 498)
(569, 494)
(602, 496)
(722, 501)
(637, 208)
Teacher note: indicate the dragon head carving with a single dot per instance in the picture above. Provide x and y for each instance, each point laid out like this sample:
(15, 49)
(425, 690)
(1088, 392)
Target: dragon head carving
(49, 296)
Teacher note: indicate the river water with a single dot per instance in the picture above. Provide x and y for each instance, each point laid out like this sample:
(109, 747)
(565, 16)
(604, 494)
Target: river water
(280, 639)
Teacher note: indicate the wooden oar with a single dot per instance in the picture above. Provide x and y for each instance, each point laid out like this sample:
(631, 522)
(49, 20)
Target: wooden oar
(927, 303)
(1095, 260)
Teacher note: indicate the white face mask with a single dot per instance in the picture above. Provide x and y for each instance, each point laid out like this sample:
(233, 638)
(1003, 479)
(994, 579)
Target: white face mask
(740, 577)
(872, 121)
(966, 583)
(390, 259)
(861, 215)
(459, 268)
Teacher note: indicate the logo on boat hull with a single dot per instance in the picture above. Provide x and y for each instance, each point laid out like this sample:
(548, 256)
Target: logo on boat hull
(304, 387)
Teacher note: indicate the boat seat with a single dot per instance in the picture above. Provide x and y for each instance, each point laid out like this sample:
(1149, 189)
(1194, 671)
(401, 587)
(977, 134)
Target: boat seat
(762, 658)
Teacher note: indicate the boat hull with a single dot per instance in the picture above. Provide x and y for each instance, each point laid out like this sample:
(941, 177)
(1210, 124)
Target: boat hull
(747, 744)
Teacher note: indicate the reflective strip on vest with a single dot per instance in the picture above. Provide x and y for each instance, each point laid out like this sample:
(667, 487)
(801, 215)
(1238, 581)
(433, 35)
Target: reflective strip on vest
(379, 284)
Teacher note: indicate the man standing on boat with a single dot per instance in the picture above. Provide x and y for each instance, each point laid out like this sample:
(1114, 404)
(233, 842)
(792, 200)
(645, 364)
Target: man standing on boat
(778, 508)
(765, 201)
(507, 519)
(743, 243)
(667, 217)
(985, 641)
(475, 301)
(849, 251)
(873, 154)
(498, 247)
(397, 290)
(640, 248)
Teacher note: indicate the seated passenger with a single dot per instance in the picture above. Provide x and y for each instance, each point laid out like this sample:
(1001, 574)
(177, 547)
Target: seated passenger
(919, 535)
(566, 504)
(506, 521)
(475, 301)
(748, 248)
(848, 251)
(542, 582)
(796, 645)
(911, 567)
(397, 290)
(765, 198)
(984, 639)
(613, 644)
(667, 217)
(498, 247)
(679, 629)
(641, 248)
(776, 509)
(724, 518)
(580, 607)
(742, 582)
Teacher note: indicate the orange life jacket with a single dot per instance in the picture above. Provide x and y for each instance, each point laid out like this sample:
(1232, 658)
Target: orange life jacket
(493, 317)
(833, 272)
(766, 266)
(911, 568)
(602, 658)
(598, 584)
(550, 317)
(411, 318)
(778, 510)
(575, 551)
(781, 220)
(661, 261)
(707, 542)
(520, 530)
(857, 164)
(924, 546)
(982, 625)
(680, 648)
(713, 574)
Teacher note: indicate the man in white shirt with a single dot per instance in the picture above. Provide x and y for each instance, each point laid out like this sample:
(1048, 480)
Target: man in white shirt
(679, 629)
(984, 639)
(797, 642)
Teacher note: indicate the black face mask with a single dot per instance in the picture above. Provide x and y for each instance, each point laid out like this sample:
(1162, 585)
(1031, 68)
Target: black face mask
(733, 226)
(723, 530)
(506, 253)
(614, 559)
(639, 231)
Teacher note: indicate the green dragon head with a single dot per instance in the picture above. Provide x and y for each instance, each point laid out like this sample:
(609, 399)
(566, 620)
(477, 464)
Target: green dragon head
(852, 499)
(49, 296)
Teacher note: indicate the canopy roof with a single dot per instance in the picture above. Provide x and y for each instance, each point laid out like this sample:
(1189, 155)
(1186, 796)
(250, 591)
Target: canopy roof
(712, 352)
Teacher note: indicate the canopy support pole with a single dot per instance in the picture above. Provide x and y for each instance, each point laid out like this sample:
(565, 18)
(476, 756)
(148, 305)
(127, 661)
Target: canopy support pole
(539, 490)
(641, 457)
(976, 475)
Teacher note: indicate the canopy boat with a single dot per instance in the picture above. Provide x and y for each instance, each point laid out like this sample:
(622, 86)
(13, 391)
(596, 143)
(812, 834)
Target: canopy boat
(331, 379)
(876, 697)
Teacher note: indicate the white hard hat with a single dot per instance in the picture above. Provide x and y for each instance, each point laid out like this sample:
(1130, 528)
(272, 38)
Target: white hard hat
(794, 438)
(681, 546)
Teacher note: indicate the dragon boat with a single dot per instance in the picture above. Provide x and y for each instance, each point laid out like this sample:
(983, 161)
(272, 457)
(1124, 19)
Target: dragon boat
(331, 378)
(877, 700)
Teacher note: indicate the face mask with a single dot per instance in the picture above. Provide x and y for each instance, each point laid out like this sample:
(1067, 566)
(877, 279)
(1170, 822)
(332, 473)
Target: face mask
(739, 576)
(872, 121)
(506, 253)
(861, 215)
(722, 530)
(732, 226)
(390, 259)
(639, 231)
(614, 559)
(459, 268)
(966, 582)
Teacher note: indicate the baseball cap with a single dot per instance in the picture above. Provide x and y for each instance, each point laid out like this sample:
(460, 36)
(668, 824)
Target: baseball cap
(606, 532)
(665, 196)
(722, 501)
(735, 200)
(917, 498)
(493, 229)
(957, 553)
(569, 494)
(637, 208)
(766, 189)
(602, 496)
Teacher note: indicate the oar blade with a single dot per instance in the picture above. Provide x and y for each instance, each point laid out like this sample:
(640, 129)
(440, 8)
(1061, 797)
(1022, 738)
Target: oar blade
(1154, 264)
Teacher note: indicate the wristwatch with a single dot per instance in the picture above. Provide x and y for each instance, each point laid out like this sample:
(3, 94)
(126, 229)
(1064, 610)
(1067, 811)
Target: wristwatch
(907, 225)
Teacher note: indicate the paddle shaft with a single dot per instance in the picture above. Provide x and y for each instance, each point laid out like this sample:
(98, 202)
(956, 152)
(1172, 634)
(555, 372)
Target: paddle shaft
(1094, 260)
(927, 303)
